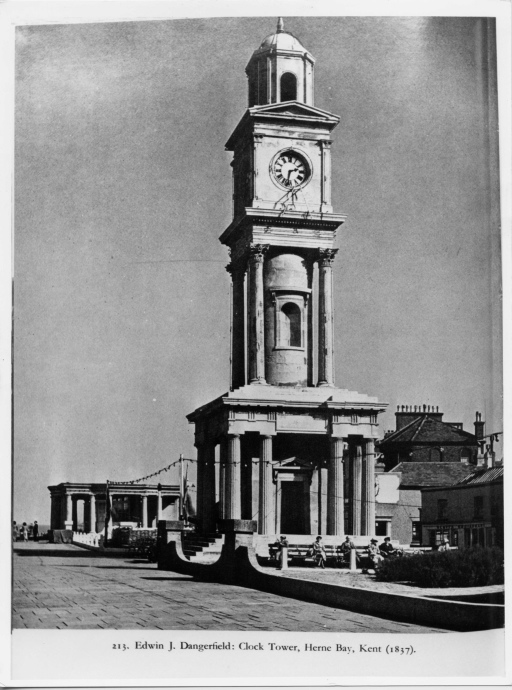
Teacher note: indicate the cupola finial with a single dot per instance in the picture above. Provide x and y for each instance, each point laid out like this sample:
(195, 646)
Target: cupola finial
(280, 25)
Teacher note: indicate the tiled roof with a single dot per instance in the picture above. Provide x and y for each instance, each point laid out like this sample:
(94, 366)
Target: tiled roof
(493, 474)
(430, 473)
(425, 429)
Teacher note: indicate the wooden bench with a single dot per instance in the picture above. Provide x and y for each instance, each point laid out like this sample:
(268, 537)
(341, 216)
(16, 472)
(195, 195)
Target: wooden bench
(302, 552)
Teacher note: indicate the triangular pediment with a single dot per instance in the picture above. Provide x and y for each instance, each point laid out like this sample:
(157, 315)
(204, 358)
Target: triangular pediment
(294, 462)
(293, 108)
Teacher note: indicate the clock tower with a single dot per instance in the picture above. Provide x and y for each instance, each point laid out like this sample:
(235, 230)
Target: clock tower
(284, 445)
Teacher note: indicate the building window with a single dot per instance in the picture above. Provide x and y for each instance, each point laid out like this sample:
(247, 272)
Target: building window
(442, 507)
(465, 455)
(290, 334)
(435, 455)
(438, 536)
(382, 528)
(478, 507)
(288, 87)
(415, 536)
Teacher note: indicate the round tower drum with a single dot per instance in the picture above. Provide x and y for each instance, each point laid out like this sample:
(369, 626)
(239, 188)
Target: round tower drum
(286, 296)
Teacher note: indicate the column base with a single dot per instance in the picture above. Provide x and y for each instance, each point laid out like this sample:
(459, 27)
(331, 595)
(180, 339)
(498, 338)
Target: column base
(68, 525)
(323, 384)
(258, 382)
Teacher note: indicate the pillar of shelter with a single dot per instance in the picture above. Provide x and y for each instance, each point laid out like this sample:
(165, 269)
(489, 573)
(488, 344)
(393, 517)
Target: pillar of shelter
(356, 476)
(68, 521)
(266, 508)
(237, 271)
(92, 513)
(53, 524)
(208, 491)
(256, 315)
(335, 500)
(144, 511)
(232, 508)
(368, 489)
(159, 505)
(325, 316)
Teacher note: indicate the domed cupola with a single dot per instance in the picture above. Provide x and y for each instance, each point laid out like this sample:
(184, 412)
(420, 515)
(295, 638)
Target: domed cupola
(281, 69)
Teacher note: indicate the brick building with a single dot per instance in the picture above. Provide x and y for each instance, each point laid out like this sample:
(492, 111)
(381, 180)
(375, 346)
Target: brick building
(421, 435)
(398, 496)
(467, 513)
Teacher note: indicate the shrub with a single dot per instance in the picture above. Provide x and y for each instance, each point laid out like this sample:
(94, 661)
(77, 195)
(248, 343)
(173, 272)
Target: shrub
(475, 567)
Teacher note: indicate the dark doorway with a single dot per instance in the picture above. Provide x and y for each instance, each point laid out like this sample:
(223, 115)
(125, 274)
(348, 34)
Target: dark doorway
(292, 508)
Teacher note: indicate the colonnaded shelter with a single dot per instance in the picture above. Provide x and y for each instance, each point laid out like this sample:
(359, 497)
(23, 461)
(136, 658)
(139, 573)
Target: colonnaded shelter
(82, 507)
(285, 446)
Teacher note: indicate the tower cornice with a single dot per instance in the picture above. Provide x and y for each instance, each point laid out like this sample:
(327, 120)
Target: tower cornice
(282, 219)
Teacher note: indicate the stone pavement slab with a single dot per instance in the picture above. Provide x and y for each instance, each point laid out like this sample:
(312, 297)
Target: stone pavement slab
(63, 586)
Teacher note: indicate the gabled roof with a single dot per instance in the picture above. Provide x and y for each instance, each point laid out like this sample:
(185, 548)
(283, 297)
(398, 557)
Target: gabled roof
(483, 476)
(425, 429)
(419, 474)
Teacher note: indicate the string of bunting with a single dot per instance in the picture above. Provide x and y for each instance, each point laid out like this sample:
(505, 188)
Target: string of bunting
(149, 476)
(217, 462)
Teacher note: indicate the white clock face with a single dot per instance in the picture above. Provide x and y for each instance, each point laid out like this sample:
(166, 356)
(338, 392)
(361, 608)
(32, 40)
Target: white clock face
(290, 170)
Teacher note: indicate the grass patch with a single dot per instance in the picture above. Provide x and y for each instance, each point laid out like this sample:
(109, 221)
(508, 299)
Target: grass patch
(476, 567)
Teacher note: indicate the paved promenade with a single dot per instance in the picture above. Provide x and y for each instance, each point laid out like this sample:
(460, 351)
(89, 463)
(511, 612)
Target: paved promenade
(63, 586)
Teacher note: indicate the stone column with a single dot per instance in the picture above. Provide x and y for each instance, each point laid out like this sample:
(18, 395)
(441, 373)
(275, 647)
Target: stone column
(368, 489)
(325, 315)
(144, 516)
(256, 315)
(266, 503)
(326, 175)
(159, 504)
(223, 454)
(209, 517)
(53, 514)
(357, 471)
(237, 271)
(309, 316)
(232, 478)
(335, 500)
(200, 481)
(92, 513)
(68, 523)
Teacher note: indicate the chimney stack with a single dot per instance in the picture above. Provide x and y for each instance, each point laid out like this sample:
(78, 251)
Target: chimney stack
(479, 426)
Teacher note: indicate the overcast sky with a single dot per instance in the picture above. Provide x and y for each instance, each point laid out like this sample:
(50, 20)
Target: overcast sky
(123, 188)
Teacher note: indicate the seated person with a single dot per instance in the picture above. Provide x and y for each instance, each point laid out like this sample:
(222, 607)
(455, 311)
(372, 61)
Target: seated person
(345, 548)
(387, 549)
(319, 555)
(444, 546)
(373, 555)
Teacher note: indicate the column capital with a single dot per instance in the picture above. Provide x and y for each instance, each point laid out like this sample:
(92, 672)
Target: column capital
(326, 257)
(257, 253)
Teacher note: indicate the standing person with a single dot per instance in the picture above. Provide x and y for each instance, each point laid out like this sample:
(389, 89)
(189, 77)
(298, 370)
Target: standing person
(35, 531)
(14, 531)
(24, 532)
(319, 554)
(282, 545)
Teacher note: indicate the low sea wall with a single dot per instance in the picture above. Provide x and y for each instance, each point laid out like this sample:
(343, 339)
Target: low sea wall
(238, 564)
